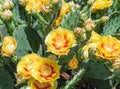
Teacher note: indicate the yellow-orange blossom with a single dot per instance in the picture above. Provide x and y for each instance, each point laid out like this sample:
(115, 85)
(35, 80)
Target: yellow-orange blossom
(59, 41)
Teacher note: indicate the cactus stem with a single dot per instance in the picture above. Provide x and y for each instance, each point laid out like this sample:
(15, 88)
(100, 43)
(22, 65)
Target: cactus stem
(75, 79)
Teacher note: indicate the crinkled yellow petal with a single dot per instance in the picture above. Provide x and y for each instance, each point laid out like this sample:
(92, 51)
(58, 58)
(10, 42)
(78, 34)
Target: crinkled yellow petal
(9, 46)
(27, 63)
(46, 70)
(34, 84)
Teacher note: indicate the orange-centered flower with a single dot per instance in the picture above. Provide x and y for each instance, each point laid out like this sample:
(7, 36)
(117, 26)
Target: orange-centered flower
(34, 84)
(108, 47)
(9, 46)
(27, 63)
(59, 41)
(46, 70)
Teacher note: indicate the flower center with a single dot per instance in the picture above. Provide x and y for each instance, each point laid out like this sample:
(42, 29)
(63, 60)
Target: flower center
(46, 70)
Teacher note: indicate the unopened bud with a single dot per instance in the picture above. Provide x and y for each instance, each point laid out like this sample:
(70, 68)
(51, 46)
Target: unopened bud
(79, 31)
(8, 4)
(23, 2)
(90, 2)
(89, 25)
(65, 76)
(116, 63)
(85, 55)
(93, 9)
(7, 15)
(84, 16)
(105, 19)
(83, 36)
(52, 57)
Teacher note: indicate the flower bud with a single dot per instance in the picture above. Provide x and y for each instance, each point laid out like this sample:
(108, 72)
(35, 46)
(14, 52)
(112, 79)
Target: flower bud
(116, 64)
(85, 55)
(89, 25)
(23, 2)
(55, 1)
(90, 2)
(84, 16)
(105, 19)
(8, 4)
(9, 46)
(73, 64)
(52, 57)
(7, 15)
(79, 31)
(65, 76)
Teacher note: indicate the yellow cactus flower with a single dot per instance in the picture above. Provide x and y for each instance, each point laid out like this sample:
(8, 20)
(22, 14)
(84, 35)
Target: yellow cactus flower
(27, 63)
(9, 46)
(73, 64)
(46, 70)
(65, 9)
(33, 5)
(102, 4)
(108, 47)
(59, 41)
(34, 84)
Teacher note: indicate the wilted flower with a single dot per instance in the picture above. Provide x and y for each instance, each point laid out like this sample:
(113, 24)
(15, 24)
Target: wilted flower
(101, 4)
(46, 70)
(108, 47)
(8, 4)
(27, 63)
(34, 84)
(89, 25)
(7, 15)
(73, 64)
(59, 41)
(9, 46)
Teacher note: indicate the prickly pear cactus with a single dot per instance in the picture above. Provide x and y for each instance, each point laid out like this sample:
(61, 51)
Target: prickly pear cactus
(28, 41)
(112, 26)
(71, 20)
